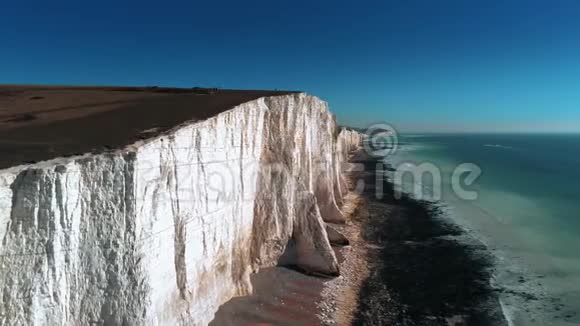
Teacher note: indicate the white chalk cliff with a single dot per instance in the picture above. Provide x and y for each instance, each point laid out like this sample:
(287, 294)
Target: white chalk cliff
(164, 231)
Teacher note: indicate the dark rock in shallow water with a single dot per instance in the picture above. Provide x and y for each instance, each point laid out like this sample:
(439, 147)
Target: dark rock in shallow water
(422, 276)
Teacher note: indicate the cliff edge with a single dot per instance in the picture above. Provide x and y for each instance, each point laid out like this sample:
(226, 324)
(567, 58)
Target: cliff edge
(164, 226)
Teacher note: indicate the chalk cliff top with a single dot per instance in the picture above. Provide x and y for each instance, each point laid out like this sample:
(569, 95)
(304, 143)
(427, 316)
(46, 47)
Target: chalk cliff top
(44, 122)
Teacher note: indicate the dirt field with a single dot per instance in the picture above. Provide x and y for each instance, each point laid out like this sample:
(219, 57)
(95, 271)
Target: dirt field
(43, 122)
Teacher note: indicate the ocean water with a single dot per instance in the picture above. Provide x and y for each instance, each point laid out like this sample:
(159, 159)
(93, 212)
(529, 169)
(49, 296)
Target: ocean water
(527, 212)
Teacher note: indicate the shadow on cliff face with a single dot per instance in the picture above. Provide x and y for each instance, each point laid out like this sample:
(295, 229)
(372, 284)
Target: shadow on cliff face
(420, 274)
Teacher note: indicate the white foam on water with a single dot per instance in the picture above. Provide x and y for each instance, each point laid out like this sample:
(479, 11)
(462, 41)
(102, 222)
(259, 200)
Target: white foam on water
(507, 313)
(523, 303)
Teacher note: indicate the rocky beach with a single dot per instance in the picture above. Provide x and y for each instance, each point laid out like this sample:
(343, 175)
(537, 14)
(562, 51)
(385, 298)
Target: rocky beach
(404, 265)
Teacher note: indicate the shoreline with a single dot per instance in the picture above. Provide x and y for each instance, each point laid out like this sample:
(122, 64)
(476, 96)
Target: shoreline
(340, 295)
(527, 229)
(435, 280)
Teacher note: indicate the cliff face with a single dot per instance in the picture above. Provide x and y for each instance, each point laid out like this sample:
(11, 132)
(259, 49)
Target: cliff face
(166, 230)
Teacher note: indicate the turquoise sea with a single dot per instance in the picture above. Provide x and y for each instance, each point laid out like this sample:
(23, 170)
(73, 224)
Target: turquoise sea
(527, 212)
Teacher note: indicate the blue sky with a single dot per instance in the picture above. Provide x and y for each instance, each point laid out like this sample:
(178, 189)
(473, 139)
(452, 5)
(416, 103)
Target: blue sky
(444, 65)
